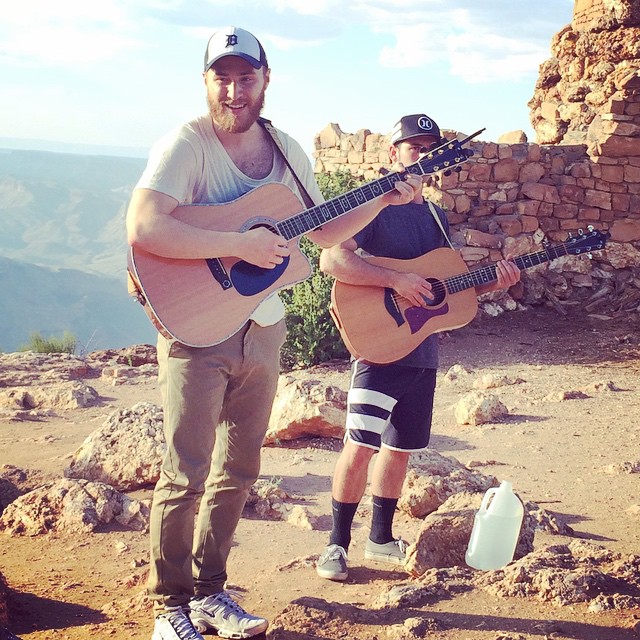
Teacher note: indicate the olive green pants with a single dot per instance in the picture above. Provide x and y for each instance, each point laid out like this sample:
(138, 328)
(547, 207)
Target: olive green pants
(217, 403)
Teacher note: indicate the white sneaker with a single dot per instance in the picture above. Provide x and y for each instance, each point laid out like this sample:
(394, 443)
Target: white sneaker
(174, 625)
(226, 616)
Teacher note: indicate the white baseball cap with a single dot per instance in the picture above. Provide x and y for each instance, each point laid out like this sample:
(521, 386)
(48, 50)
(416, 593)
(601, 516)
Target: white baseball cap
(233, 41)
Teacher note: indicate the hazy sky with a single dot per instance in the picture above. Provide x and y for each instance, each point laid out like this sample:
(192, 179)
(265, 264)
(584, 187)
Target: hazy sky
(123, 72)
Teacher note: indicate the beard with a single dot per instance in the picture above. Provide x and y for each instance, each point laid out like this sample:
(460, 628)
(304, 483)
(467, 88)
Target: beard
(232, 123)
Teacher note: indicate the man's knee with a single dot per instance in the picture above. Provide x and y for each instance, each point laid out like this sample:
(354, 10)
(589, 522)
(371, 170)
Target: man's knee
(357, 454)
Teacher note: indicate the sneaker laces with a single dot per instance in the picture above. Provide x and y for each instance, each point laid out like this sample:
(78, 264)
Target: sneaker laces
(230, 598)
(181, 623)
(226, 599)
(402, 545)
(333, 552)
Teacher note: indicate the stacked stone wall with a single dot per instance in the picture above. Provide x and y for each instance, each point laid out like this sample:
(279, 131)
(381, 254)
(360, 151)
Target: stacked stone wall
(589, 59)
(509, 199)
(599, 15)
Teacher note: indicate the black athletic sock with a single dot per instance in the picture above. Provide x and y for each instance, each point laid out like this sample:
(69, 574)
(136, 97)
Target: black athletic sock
(382, 519)
(343, 514)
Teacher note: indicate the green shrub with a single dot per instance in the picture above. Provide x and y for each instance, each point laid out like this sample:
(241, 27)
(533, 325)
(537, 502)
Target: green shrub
(312, 336)
(66, 344)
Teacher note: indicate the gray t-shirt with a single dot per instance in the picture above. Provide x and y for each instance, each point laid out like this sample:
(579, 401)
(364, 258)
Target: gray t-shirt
(405, 232)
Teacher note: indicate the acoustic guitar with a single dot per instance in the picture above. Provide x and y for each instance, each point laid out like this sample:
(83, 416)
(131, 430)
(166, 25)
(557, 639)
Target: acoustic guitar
(202, 302)
(380, 326)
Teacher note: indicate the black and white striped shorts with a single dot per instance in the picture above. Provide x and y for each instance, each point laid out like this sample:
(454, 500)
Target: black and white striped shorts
(390, 405)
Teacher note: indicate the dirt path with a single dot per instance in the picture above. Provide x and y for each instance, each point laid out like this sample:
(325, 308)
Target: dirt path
(559, 448)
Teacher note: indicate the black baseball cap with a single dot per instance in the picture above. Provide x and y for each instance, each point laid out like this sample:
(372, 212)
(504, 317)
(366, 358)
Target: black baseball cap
(417, 124)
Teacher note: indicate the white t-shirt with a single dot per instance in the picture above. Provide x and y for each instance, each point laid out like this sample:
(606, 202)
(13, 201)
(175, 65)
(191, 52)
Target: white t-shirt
(191, 165)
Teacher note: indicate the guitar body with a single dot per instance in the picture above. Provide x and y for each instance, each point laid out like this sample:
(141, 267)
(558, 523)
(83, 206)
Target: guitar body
(379, 326)
(183, 298)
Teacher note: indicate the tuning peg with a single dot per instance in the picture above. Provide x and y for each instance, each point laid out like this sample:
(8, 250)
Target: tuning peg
(458, 169)
(447, 172)
(590, 255)
(590, 228)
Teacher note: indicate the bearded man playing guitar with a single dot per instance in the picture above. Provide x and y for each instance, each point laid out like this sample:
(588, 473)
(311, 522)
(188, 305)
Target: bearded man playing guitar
(217, 396)
(389, 405)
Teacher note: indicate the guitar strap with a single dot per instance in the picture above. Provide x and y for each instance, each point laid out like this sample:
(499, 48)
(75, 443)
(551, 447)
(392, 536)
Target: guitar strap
(272, 132)
(437, 217)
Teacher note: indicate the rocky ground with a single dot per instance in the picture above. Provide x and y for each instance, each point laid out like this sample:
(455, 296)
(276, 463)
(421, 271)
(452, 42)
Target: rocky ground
(570, 443)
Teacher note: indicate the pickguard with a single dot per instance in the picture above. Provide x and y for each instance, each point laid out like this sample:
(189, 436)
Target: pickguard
(249, 280)
(417, 317)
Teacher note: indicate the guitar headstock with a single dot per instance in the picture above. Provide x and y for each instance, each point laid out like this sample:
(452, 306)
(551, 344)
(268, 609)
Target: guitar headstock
(443, 158)
(592, 240)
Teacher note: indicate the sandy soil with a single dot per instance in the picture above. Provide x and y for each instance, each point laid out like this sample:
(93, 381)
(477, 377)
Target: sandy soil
(553, 450)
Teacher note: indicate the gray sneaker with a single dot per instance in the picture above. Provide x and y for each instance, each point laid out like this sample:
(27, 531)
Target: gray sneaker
(223, 614)
(332, 563)
(174, 625)
(394, 552)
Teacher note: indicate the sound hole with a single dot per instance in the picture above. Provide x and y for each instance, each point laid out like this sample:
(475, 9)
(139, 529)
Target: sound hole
(438, 290)
(266, 225)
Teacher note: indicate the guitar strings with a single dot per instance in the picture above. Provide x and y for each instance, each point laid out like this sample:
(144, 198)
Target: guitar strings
(488, 273)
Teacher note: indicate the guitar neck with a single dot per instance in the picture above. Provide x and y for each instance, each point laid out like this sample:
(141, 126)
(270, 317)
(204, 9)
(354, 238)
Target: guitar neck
(488, 273)
(311, 219)
(447, 156)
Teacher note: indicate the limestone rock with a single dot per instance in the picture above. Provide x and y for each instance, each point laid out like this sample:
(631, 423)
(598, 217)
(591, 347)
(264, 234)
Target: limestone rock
(478, 407)
(433, 478)
(65, 395)
(444, 535)
(306, 408)
(126, 452)
(268, 500)
(569, 574)
(72, 506)
(513, 137)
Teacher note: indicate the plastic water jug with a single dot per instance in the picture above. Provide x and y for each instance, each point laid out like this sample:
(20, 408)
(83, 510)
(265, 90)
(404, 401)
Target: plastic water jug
(496, 528)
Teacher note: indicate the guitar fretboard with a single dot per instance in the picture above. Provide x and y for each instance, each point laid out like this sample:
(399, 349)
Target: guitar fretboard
(444, 157)
(487, 274)
(306, 221)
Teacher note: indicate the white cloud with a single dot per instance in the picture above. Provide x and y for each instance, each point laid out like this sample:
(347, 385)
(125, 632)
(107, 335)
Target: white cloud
(487, 57)
(65, 46)
(66, 33)
(307, 7)
(474, 49)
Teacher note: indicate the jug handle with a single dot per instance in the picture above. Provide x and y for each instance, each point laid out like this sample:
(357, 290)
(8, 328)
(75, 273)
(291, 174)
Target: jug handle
(487, 496)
